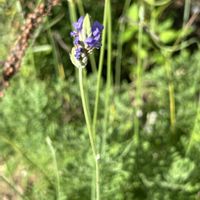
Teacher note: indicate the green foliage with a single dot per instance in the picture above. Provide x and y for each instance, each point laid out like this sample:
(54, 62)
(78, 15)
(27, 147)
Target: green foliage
(45, 148)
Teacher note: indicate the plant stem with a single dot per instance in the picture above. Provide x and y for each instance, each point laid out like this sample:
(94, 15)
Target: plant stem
(139, 72)
(194, 131)
(72, 11)
(59, 67)
(172, 107)
(186, 14)
(100, 68)
(119, 46)
(80, 7)
(93, 63)
(53, 153)
(90, 131)
(109, 78)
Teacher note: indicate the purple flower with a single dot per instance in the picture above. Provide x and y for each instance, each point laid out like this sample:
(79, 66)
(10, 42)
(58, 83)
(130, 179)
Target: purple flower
(78, 52)
(76, 40)
(94, 41)
(78, 25)
(97, 28)
(78, 28)
(73, 34)
(84, 42)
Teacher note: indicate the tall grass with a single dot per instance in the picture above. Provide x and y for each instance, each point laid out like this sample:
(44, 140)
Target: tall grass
(100, 67)
(57, 175)
(59, 67)
(109, 78)
(139, 72)
(120, 45)
(72, 11)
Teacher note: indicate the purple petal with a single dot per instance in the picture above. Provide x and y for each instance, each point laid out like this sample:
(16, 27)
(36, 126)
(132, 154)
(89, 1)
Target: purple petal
(98, 38)
(73, 34)
(76, 40)
(96, 32)
(93, 42)
(97, 25)
(89, 40)
(78, 52)
(78, 25)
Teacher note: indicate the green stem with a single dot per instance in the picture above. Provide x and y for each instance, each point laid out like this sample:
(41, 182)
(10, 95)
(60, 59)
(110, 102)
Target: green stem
(139, 72)
(119, 47)
(59, 67)
(93, 185)
(80, 7)
(194, 131)
(53, 153)
(100, 68)
(186, 14)
(73, 17)
(109, 78)
(172, 107)
(90, 131)
(72, 11)
(93, 63)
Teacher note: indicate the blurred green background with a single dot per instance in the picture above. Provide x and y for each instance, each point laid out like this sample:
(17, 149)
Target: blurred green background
(152, 142)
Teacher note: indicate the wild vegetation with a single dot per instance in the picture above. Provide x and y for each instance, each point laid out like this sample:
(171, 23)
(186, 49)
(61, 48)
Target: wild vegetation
(127, 127)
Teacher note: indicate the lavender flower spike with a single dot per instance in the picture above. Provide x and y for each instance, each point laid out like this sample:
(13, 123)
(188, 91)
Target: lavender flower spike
(86, 39)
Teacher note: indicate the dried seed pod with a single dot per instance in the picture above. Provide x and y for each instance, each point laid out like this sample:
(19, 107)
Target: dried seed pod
(12, 64)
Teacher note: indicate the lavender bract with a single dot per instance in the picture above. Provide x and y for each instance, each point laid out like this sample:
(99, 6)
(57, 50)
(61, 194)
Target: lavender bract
(86, 39)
